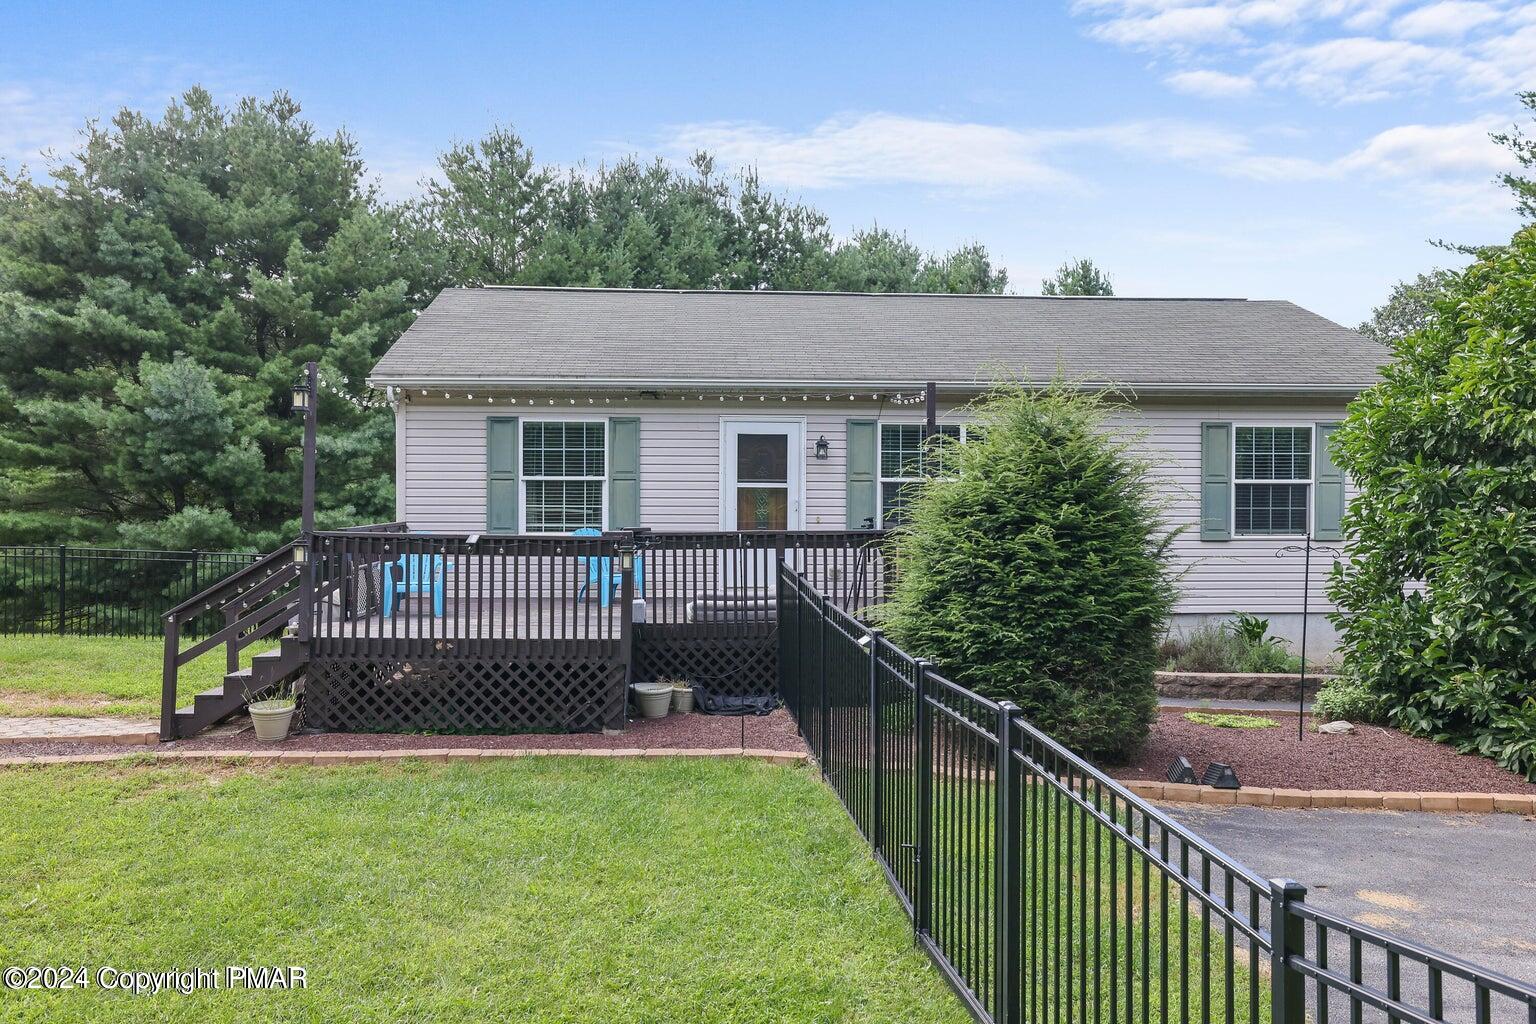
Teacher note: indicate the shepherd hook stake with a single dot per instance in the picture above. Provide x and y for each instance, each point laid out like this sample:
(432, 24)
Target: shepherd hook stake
(1306, 592)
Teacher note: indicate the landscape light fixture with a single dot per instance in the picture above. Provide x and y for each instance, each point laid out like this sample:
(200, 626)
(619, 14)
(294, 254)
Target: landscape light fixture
(1182, 771)
(823, 449)
(1221, 776)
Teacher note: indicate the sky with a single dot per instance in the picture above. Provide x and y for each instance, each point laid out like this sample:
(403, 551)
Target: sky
(1310, 150)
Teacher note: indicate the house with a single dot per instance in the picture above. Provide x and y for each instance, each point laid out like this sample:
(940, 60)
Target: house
(544, 410)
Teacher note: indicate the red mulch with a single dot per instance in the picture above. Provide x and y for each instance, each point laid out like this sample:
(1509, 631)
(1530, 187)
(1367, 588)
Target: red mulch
(1370, 758)
(691, 732)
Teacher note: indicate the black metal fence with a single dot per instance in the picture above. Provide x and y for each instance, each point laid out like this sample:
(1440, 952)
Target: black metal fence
(1045, 891)
(86, 591)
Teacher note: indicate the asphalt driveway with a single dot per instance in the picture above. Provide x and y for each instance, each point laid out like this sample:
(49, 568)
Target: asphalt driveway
(1461, 883)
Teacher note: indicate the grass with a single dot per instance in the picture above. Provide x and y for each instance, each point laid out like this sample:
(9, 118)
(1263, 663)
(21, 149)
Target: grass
(88, 676)
(551, 889)
(1230, 721)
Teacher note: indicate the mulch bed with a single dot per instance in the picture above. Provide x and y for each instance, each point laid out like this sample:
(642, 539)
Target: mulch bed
(682, 732)
(1370, 758)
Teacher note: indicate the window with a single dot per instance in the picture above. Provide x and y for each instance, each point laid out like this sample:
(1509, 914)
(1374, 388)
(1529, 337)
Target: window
(1273, 480)
(904, 462)
(564, 470)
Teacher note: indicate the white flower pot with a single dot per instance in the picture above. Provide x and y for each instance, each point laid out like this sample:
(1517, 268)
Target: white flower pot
(272, 719)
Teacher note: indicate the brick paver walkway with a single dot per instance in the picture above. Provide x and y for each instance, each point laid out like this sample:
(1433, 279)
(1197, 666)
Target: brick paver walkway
(79, 730)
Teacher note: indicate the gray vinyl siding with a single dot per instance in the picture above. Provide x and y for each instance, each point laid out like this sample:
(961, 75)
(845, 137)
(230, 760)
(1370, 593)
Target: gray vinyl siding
(441, 481)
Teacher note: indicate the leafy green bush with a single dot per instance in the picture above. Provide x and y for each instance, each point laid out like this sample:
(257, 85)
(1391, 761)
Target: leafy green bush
(1037, 574)
(1209, 647)
(1345, 698)
(1242, 645)
(1437, 606)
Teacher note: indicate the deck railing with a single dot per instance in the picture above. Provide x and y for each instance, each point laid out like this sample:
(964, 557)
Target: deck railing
(1045, 891)
(498, 594)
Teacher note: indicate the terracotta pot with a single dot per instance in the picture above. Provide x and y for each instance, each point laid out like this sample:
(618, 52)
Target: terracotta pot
(272, 719)
(653, 699)
(682, 699)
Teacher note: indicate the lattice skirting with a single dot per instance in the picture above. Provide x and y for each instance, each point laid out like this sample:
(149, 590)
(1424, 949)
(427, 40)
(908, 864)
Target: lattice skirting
(546, 693)
(738, 665)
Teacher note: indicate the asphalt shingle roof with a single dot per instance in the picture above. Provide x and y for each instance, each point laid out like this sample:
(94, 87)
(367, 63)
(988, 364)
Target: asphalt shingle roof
(533, 336)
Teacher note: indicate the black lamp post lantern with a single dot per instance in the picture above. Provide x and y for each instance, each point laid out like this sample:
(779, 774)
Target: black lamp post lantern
(823, 449)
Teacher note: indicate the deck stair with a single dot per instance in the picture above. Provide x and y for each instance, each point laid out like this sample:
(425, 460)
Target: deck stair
(280, 664)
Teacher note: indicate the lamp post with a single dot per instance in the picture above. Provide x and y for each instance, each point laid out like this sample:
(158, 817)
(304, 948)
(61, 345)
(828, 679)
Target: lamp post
(306, 395)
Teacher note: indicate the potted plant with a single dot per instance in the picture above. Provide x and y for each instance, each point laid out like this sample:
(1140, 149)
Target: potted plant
(682, 695)
(272, 713)
(653, 699)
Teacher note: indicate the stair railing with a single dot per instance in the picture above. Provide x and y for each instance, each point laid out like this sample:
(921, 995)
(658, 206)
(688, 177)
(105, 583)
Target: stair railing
(255, 602)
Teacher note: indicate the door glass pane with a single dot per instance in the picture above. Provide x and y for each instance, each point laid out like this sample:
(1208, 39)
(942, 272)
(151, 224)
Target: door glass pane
(762, 458)
(762, 508)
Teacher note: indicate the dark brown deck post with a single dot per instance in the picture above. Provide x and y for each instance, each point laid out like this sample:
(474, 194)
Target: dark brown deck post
(307, 508)
(168, 680)
(626, 627)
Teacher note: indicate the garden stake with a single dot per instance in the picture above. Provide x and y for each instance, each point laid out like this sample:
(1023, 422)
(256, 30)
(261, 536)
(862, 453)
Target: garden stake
(1306, 593)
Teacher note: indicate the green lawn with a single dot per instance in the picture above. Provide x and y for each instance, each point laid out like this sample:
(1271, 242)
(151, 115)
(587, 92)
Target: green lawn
(93, 675)
(549, 889)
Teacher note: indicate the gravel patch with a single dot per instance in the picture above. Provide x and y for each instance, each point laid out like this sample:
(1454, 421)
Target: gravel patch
(1370, 758)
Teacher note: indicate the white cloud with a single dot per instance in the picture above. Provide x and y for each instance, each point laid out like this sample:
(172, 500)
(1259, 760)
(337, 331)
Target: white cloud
(879, 148)
(883, 148)
(1211, 84)
(1176, 26)
(1451, 19)
(1341, 51)
(1424, 150)
(1362, 68)
(32, 123)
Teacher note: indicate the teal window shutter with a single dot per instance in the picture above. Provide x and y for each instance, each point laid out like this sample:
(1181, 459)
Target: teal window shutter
(1328, 504)
(624, 472)
(501, 474)
(1216, 481)
(863, 486)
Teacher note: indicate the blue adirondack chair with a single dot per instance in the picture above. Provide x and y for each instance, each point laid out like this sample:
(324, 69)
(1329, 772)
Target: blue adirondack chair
(604, 573)
(415, 574)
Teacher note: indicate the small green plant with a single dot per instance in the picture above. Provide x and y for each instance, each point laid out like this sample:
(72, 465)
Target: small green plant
(1243, 645)
(1251, 628)
(1228, 721)
(270, 695)
(1344, 697)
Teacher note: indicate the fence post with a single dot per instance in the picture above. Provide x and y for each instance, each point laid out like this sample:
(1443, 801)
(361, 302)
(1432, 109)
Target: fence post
(876, 749)
(1005, 861)
(62, 581)
(823, 702)
(922, 913)
(1288, 938)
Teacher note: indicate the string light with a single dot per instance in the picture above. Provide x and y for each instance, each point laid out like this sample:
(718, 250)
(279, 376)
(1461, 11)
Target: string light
(372, 402)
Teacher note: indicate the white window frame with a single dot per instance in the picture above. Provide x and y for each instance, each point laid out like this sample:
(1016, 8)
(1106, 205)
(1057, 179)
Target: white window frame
(881, 479)
(1310, 481)
(523, 478)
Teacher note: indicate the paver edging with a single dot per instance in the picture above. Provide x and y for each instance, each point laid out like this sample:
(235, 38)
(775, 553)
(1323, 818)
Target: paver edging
(1353, 799)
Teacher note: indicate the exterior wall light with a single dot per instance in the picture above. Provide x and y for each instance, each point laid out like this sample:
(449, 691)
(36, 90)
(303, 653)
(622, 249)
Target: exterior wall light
(823, 449)
(301, 554)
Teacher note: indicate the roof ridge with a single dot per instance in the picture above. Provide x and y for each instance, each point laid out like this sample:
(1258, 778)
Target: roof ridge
(833, 294)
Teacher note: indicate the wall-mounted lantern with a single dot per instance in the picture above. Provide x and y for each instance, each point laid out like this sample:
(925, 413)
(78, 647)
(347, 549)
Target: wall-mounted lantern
(823, 449)
(301, 396)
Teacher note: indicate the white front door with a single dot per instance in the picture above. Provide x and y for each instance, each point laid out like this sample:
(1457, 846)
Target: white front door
(764, 474)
